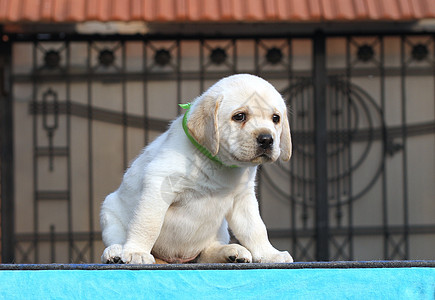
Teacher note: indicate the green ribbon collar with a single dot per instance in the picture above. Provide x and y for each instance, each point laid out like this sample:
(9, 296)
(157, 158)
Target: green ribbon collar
(200, 147)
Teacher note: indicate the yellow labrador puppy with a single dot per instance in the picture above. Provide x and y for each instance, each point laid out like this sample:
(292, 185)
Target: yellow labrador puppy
(179, 196)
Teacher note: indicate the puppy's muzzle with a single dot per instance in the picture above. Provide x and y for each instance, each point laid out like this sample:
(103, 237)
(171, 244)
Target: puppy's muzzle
(265, 141)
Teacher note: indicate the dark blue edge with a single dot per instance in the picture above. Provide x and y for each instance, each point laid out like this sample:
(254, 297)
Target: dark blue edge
(226, 266)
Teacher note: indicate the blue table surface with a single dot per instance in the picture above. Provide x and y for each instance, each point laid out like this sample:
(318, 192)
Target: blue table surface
(268, 283)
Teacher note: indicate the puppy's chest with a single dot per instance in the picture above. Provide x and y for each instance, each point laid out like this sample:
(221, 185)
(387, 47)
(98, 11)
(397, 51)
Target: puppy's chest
(210, 195)
(204, 195)
(203, 203)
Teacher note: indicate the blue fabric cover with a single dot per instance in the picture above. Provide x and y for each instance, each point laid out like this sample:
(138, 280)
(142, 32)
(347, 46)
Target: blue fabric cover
(388, 283)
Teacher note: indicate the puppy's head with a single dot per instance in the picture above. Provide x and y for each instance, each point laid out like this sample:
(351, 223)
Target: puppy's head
(243, 120)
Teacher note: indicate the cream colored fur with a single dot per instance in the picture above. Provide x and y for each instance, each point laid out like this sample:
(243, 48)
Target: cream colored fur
(176, 204)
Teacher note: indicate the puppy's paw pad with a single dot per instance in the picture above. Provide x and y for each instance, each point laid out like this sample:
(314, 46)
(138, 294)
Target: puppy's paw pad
(115, 260)
(243, 260)
(276, 257)
(283, 257)
(237, 254)
(140, 258)
(112, 254)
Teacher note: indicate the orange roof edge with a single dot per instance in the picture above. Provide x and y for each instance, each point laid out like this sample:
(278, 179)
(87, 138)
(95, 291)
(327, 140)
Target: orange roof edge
(64, 11)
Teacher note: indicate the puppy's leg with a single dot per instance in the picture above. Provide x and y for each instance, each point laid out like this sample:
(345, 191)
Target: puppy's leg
(113, 231)
(147, 221)
(245, 221)
(219, 253)
(112, 254)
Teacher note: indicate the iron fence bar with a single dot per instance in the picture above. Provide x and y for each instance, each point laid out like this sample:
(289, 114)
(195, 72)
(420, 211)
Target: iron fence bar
(179, 77)
(303, 137)
(68, 145)
(404, 152)
(376, 230)
(90, 146)
(386, 235)
(124, 106)
(433, 77)
(26, 37)
(320, 146)
(35, 159)
(201, 66)
(350, 229)
(334, 127)
(7, 152)
(235, 62)
(98, 114)
(273, 233)
(146, 125)
(308, 251)
(306, 100)
(53, 244)
(259, 188)
(211, 75)
(292, 161)
(347, 164)
(256, 57)
(311, 171)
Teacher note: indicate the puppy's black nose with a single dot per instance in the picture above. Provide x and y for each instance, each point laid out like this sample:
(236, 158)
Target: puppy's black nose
(265, 141)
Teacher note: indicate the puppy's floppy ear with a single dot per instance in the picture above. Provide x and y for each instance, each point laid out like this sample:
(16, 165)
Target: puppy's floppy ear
(203, 123)
(285, 140)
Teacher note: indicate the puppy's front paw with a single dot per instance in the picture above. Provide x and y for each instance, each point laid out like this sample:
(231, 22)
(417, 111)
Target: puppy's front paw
(275, 257)
(235, 253)
(131, 256)
(112, 254)
(282, 257)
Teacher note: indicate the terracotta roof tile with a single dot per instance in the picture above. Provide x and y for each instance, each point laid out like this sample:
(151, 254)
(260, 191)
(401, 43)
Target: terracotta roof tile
(181, 10)
(416, 8)
(373, 10)
(227, 10)
(405, 9)
(164, 10)
(46, 9)
(121, 10)
(92, 9)
(328, 9)
(14, 11)
(59, 10)
(4, 5)
(75, 11)
(254, 10)
(270, 10)
(315, 9)
(298, 10)
(28, 9)
(209, 10)
(283, 8)
(135, 10)
(360, 9)
(344, 10)
(147, 9)
(214, 10)
(389, 9)
(430, 7)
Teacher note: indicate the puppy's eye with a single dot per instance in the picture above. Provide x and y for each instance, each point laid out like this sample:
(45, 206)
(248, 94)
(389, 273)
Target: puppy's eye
(239, 117)
(275, 119)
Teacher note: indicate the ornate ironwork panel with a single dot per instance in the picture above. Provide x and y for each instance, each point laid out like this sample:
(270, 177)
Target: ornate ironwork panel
(84, 107)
